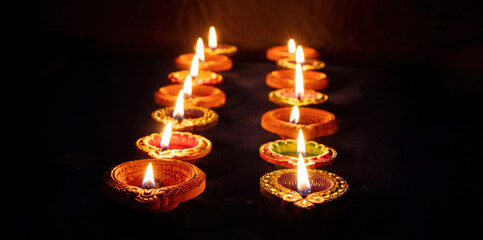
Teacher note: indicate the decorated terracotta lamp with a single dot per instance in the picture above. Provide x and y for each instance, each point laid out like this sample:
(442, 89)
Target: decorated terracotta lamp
(280, 52)
(284, 152)
(199, 77)
(285, 78)
(298, 96)
(307, 64)
(186, 118)
(314, 122)
(299, 190)
(176, 145)
(154, 185)
(216, 48)
(208, 62)
(197, 95)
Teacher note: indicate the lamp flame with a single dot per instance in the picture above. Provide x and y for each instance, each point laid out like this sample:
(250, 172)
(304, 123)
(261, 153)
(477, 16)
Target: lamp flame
(291, 46)
(195, 66)
(200, 50)
(178, 112)
(166, 137)
(299, 81)
(148, 181)
(294, 115)
(212, 43)
(299, 55)
(303, 183)
(301, 143)
(187, 87)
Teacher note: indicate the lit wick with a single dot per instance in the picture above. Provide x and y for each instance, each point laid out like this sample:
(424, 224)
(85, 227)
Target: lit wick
(301, 143)
(212, 41)
(294, 115)
(166, 137)
(187, 87)
(291, 46)
(178, 112)
(299, 81)
(299, 55)
(194, 66)
(148, 181)
(303, 183)
(200, 50)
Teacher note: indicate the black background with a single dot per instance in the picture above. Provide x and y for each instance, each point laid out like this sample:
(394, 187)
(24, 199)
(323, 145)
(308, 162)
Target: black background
(405, 80)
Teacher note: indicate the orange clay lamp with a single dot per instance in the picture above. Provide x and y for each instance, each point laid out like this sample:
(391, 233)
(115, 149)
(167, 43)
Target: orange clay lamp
(186, 118)
(154, 185)
(208, 62)
(199, 77)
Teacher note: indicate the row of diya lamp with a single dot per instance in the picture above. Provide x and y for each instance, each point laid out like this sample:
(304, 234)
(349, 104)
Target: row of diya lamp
(159, 184)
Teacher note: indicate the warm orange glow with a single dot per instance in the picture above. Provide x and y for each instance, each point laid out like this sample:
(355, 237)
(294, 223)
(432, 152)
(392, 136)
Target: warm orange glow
(299, 55)
(195, 65)
(166, 137)
(148, 181)
(187, 86)
(178, 112)
(299, 81)
(303, 183)
(301, 143)
(200, 50)
(212, 42)
(291, 46)
(294, 115)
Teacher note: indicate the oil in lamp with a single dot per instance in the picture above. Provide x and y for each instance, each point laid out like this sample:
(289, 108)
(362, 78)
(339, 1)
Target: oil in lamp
(298, 96)
(175, 145)
(199, 77)
(280, 52)
(186, 118)
(195, 95)
(154, 185)
(299, 190)
(314, 122)
(215, 48)
(284, 152)
(307, 64)
(208, 62)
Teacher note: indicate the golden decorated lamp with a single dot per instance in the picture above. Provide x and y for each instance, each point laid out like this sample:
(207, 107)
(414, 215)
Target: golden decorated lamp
(306, 63)
(216, 48)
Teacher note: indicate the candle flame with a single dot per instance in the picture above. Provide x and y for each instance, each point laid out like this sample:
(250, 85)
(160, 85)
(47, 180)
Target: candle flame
(299, 55)
(301, 143)
(178, 112)
(166, 137)
(187, 86)
(291, 46)
(194, 66)
(303, 183)
(200, 50)
(212, 41)
(294, 115)
(148, 181)
(299, 81)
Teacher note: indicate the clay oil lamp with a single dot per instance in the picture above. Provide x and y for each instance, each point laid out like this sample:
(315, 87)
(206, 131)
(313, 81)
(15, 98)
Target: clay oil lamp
(199, 77)
(307, 64)
(175, 145)
(280, 52)
(154, 185)
(298, 96)
(314, 122)
(186, 118)
(215, 48)
(285, 78)
(299, 190)
(284, 152)
(208, 62)
(197, 95)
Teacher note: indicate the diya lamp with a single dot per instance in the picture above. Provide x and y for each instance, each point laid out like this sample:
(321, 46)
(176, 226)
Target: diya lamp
(199, 77)
(215, 48)
(285, 78)
(208, 62)
(280, 52)
(285, 152)
(286, 122)
(307, 64)
(298, 96)
(175, 145)
(301, 189)
(154, 185)
(197, 95)
(186, 118)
